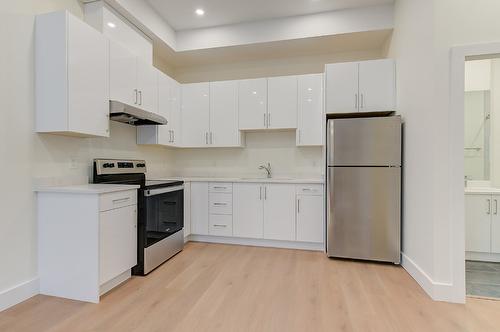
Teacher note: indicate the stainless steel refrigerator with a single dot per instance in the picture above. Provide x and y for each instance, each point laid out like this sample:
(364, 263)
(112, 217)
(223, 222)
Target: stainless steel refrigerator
(364, 188)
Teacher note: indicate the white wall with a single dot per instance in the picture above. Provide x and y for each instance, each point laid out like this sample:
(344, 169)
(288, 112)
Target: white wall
(422, 51)
(28, 158)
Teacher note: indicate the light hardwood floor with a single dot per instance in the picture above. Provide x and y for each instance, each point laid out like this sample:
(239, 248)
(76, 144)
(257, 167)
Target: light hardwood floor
(211, 287)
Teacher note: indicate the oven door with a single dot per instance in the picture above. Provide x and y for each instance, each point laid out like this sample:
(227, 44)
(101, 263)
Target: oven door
(164, 212)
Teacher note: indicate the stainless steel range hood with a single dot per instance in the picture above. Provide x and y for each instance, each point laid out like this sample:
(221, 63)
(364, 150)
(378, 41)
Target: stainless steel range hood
(132, 115)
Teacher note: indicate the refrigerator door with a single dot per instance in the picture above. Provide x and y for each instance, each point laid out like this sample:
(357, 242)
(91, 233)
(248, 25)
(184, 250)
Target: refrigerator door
(363, 207)
(364, 141)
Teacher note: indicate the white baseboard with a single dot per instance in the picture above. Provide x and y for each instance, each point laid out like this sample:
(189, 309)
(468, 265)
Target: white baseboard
(258, 242)
(482, 256)
(19, 293)
(438, 291)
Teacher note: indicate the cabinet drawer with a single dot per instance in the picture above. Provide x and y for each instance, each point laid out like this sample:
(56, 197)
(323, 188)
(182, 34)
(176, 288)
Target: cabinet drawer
(117, 199)
(220, 203)
(221, 225)
(220, 187)
(311, 189)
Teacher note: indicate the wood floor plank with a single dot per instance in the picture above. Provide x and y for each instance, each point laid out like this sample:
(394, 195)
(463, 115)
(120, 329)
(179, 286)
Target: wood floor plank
(214, 287)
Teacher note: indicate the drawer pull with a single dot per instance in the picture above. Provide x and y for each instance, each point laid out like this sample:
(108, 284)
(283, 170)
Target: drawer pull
(220, 203)
(220, 187)
(120, 200)
(218, 225)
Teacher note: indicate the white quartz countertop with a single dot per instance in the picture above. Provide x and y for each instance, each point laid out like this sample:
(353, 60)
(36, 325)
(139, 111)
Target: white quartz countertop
(86, 188)
(247, 179)
(481, 190)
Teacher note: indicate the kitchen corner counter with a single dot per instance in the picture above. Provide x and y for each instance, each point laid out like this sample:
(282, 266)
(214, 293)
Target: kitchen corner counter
(248, 180)
(86, 188)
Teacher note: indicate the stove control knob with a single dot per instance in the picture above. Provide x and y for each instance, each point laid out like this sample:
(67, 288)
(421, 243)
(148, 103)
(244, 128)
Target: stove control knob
(108, 165)
(140, 165)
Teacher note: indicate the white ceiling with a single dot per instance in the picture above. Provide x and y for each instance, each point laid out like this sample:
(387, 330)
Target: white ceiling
(180, 15)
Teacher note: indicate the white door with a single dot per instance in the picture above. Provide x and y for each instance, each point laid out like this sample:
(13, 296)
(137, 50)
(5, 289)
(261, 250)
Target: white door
(310, 221)
(117, 242)
(377, 85)
(478, 209)
(224, 114)
(165, 109)
(495, 224)
(279, 212)
(282, 102)
(175, 113)
(342, 87)
(147, 83)
(88, 79)
(195, 115)
(252, 95)
(122, 75)
(310, 110)
(199, 208)
(248, 214)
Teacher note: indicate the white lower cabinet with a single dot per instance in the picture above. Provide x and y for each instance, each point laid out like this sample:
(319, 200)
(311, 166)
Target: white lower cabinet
(248, 210)
(310, 218)
(279, 211)
(221, 225)
(482, 223)
(199, 208)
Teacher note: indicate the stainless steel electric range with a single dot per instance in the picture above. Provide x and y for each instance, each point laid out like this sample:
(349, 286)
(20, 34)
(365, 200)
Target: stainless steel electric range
(160, 215)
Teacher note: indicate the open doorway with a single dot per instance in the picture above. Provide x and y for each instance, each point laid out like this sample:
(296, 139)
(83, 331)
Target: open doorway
(481, 160)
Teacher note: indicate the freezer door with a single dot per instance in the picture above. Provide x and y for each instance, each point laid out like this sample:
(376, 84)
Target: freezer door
(364, 141)
(364, 213)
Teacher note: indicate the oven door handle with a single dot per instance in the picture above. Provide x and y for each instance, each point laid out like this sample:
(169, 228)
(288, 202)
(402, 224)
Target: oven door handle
(153, 192)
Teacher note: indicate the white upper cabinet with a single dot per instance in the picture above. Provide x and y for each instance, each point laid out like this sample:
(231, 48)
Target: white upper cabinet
(279, 212)
(342, 87)
(195, 115)
(282, 102)
(72, 77)
(147, 84)
(253, 104)
(175, 113)
(310, 110)
(224, 114)
(377, 85)
(248, 210)
(366, 86)
(123, 74)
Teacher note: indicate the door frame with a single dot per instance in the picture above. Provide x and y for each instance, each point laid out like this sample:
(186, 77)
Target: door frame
(459, 54)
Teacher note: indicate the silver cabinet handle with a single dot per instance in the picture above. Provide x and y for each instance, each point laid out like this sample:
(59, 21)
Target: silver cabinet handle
(265, 125)
(135, 91)
(119, 200)
(218, 225)
(489, 207)
(298, 205)
(211, 138)
(216, 187)
(356, 101)
(206, 137)
(140, 97)
(268, 120)
(260, 193)
(170, 136)
(265, 192)
(362, 100)
(173, 136)
(220, 203)
(496, 207)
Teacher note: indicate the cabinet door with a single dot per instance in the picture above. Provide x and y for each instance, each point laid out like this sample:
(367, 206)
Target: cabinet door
(279, 212)
(117, 242)
(310, 220)
(195, 114)
(495, 224)
(187, 208)
(310, 111)
(342, 87)
(377, 85)
(122, 75)
(199, 208)
(175, 114)
(282, 102)
(248, 216)
(147, 84)
(165, 109)
(478, 223)
(252, 96)
(88, 79)
(224, 114)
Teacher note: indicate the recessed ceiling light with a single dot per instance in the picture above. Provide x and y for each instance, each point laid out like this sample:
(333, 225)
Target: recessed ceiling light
(111, 25)
(200, 12)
